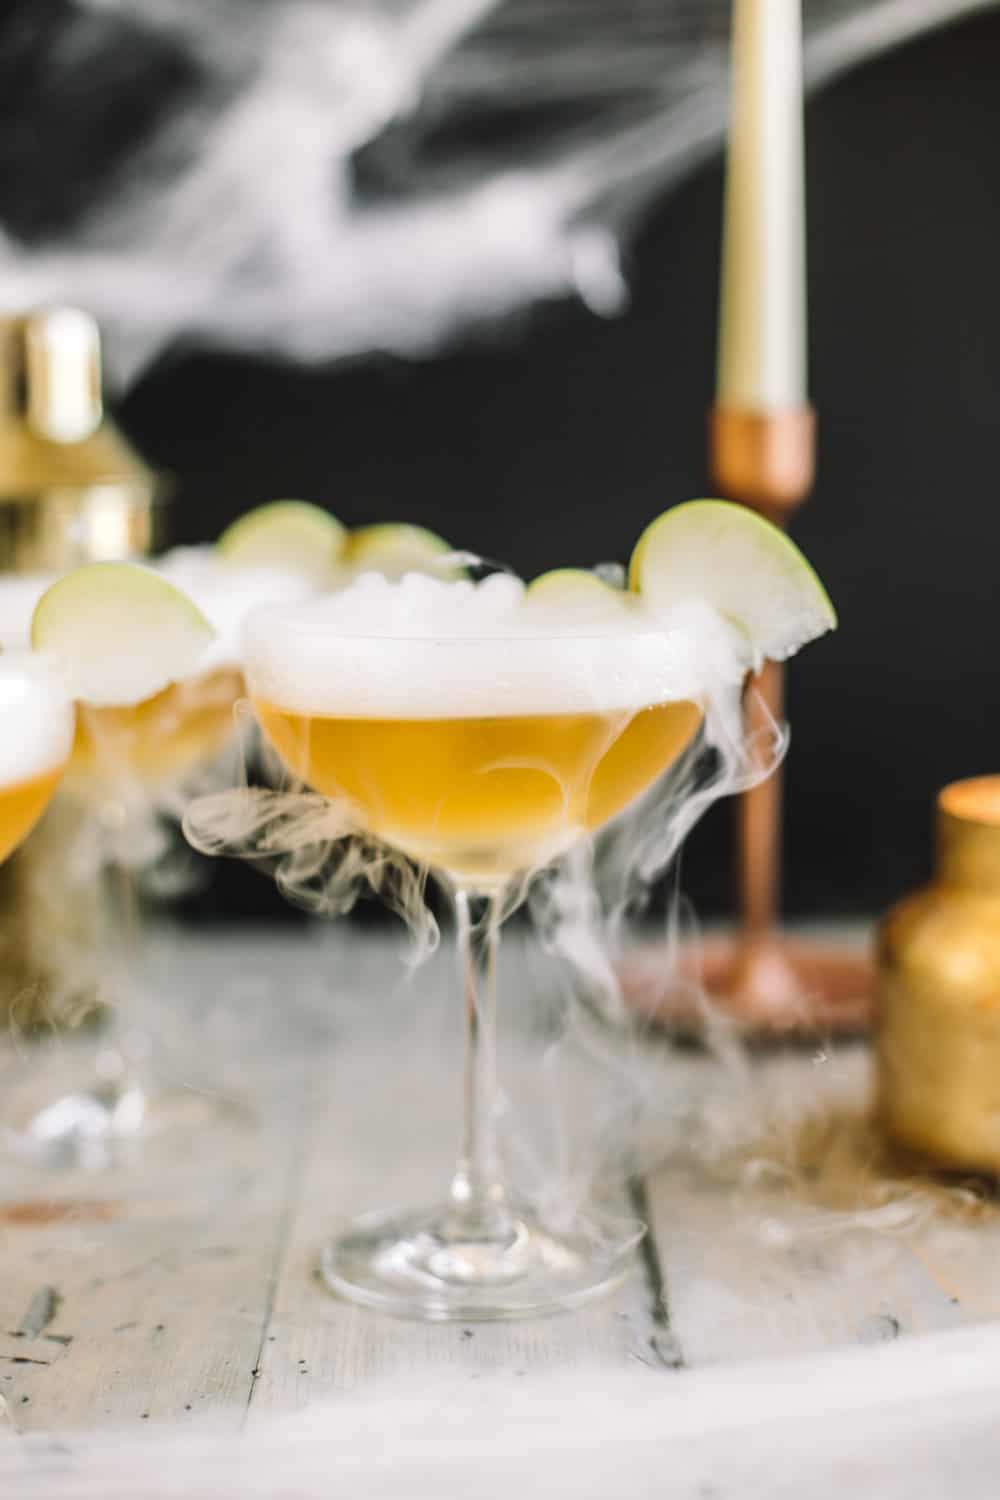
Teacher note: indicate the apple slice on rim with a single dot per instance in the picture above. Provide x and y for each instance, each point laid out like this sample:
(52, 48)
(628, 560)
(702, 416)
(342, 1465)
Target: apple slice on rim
(396, 548)
(118, 633)
(570, 585)
(577, 595)
(293, 534)
(724, 555)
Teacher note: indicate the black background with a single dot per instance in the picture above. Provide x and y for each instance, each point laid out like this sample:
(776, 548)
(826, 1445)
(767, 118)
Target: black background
(557, 440)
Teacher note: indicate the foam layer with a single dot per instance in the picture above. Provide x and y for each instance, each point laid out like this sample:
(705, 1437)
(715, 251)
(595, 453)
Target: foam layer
(36, 719)
(427, 648)
(226, 592)
(19, 593)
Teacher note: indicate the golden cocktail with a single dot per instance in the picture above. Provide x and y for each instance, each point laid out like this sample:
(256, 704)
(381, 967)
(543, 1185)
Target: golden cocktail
(189, 723)
(22, 804)
(36, 735)
(487, 797)
(159, 740)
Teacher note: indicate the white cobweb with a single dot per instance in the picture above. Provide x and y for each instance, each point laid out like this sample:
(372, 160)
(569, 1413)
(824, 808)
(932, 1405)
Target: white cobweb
(378, 175)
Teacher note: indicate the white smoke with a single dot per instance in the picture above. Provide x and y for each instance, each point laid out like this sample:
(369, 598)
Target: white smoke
(912, 1420)
(240, 221)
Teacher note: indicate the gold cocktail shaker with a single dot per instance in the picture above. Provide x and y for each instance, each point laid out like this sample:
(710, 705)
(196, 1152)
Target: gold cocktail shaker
(71, 491)
(938, 1022)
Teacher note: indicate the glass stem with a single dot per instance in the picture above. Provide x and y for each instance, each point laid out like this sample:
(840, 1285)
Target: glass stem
(122, 1053)
(478, 1197)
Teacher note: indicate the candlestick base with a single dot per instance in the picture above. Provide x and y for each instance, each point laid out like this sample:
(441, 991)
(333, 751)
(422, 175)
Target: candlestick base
(768, 985)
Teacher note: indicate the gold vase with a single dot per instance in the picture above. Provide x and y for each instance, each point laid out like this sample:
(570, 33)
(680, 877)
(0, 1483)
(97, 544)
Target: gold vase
(71, 491)
(938, 993)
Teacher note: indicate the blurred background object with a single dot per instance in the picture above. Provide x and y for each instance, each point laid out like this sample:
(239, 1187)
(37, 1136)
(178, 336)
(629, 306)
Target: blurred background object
(938, 1036)
(420, 262)
(71, 490)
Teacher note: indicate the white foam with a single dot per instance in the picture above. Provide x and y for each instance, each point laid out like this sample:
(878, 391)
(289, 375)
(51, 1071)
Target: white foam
(19, 593)
(426, 648)
(226, 592)
(36, 719)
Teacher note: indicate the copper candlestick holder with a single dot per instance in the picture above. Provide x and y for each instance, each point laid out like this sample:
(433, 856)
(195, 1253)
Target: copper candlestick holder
(764, 980)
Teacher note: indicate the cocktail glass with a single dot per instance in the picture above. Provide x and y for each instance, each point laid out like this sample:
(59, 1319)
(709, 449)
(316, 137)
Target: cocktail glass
(128, 766)
(482, 759)
(481, 731)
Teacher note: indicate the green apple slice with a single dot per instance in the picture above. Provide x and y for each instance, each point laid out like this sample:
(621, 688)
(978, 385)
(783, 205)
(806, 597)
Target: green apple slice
(396, 548)
(726, 556)
(286, 533)
(576, 594)
(118, 633)
(570, 585)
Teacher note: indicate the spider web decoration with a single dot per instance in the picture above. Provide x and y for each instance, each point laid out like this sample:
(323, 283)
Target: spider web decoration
(321, 180)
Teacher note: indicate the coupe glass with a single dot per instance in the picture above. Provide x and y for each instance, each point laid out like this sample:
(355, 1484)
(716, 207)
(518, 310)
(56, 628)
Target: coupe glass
(90, 1101)
(480, 759)
(85, 1100)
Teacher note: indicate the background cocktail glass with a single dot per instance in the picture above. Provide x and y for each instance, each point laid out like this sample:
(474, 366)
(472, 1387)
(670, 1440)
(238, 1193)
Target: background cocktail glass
(482, 759)
(130, 765)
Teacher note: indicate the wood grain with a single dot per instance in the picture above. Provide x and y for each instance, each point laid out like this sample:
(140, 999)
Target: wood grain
(180, 1288)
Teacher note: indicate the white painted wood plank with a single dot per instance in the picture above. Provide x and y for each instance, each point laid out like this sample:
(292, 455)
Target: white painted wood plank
(746, 1276)
(161, 1297)
(167, 1271)
(754, 1267)
(182, 1277)
(161, 1271)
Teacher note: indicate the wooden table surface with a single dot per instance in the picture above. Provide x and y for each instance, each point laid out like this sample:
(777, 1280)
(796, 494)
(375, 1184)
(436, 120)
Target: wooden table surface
(179, 1287)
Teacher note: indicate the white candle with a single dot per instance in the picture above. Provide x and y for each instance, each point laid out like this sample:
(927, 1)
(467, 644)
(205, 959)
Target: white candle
(762, 315)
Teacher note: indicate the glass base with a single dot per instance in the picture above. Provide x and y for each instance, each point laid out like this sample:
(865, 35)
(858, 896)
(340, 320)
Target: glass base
(73, 1113)
(421, 1265)
(89, 1128)
(769, 984)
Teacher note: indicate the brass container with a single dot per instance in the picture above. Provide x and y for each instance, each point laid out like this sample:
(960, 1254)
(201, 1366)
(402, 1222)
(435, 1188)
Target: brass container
(938, 993)
(71, 491)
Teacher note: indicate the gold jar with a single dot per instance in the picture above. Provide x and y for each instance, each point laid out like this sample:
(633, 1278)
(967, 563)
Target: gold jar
(938, 993)
(71, 491)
